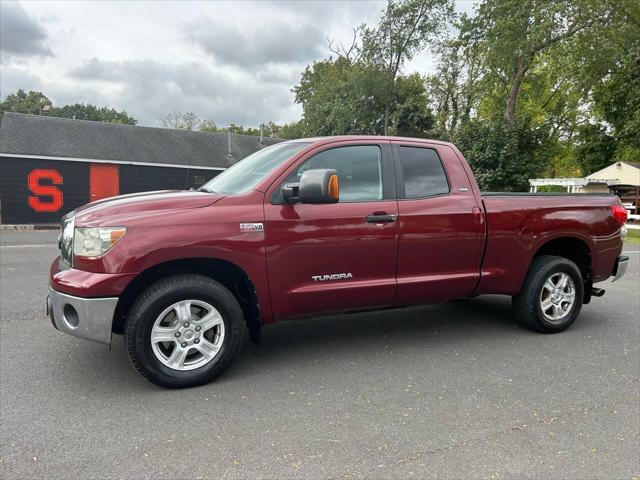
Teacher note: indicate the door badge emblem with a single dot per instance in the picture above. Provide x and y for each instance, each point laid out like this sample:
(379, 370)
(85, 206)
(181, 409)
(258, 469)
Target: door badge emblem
(251, 227)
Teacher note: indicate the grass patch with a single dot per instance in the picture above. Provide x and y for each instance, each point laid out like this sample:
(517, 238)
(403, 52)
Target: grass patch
(633, 236)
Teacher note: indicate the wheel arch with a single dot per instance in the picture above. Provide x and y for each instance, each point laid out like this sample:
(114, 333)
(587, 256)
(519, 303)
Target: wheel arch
(234, 278)
(572, 248)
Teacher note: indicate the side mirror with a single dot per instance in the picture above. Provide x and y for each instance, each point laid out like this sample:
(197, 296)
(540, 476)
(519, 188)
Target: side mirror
(316, 186)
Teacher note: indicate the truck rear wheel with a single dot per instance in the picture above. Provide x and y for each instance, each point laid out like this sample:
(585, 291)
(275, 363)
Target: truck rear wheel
(184, 331)
(551, 298)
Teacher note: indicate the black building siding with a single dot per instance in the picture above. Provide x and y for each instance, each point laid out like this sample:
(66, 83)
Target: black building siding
(15, 191)
(61, 186)
(140, 178)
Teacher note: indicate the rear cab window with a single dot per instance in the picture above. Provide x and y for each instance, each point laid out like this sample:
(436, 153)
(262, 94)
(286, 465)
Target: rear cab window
(421, 173)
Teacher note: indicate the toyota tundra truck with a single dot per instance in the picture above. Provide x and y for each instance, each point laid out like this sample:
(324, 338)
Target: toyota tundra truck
(317, 226)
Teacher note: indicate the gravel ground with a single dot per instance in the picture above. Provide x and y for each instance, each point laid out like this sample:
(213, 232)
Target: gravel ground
(443, 391)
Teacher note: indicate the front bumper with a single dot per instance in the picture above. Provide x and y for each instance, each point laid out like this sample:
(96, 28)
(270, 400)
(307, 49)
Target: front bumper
(88, 318)
(620, 267)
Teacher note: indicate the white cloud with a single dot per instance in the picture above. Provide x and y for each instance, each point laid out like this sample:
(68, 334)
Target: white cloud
(157, 88)
(233, 62)
(20, 34)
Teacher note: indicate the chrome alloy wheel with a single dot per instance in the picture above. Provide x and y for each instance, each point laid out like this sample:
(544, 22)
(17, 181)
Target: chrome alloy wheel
(557, 297)
(187, 335)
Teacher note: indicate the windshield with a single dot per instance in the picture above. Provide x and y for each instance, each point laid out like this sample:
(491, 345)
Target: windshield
(247, 173)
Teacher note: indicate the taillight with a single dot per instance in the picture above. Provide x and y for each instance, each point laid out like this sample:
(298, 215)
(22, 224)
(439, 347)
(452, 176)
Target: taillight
(619, 213)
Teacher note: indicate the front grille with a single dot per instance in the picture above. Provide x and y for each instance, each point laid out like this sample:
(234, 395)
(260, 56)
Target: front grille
(67, 227)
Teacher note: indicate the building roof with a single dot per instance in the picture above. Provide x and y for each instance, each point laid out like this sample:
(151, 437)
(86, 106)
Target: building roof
(64, 138)
(616, 164)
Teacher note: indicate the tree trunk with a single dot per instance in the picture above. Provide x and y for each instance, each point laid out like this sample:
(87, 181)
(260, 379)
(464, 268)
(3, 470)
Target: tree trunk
(386, 119)
(387, 103)
(512, 99)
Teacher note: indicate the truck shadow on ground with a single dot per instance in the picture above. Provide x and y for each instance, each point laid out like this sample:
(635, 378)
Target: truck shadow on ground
(420, 327)
(340, 339)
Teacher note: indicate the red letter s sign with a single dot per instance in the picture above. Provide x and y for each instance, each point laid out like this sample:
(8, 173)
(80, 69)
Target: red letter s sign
(37, 203)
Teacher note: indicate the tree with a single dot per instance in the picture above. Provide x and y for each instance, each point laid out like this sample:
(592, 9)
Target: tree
(502, 157)
(270, 129)
(208, 126)
(80, 111)
(405, 28)
(513, 34)
(22, 102)
(596, 149)
(617, 99)
(292, 130)
(341, 97)
(37, 103)
(411, 114)
(182, 121)
(345, 97)
(190, 121)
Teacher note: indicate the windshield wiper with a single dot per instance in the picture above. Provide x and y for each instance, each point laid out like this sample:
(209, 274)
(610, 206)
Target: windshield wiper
(203, 189)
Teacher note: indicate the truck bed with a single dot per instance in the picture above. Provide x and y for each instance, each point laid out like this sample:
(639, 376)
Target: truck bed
(519, 224)
(544, 194)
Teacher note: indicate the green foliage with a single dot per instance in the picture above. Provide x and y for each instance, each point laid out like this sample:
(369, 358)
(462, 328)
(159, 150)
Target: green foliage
(292, 130)
(596, 149)
(340, 97)
(528, 88)
(452, 90)
(37, 103)
(513, 35)
(405, 28)
(618, 100)
(190, 121)
(562, 161)
(502, 157)
(22, 102)
(208, 126)
(633, 236)
(411, 114)
(80, 111)
(269, 129)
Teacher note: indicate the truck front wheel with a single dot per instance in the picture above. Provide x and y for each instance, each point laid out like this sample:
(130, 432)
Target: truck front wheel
(184, 331)
(552, 295)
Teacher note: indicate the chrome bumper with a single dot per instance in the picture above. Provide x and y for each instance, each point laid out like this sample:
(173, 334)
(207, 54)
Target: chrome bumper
(621, 267)
(88, 318)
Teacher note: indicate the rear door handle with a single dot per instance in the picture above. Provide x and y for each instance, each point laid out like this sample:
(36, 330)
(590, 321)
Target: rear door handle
(381, 218)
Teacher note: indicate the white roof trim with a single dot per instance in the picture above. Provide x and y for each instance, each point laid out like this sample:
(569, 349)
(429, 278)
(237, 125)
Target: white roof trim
(95, 160)
(567, 182)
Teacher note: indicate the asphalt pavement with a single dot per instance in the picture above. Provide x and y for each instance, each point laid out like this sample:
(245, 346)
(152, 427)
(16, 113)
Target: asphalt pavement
(455, 390)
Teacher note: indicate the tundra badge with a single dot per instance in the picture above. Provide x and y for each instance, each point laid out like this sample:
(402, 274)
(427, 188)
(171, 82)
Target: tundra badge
(332, 276)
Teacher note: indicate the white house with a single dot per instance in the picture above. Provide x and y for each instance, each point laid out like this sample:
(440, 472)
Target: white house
(621, 178)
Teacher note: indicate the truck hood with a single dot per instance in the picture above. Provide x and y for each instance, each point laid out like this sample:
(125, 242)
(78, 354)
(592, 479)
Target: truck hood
(146, 202)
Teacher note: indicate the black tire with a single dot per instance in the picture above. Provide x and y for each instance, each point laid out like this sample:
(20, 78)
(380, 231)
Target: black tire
(161, 295)
(527, 304)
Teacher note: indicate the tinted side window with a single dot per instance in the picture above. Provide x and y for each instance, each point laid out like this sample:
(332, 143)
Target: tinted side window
(359, 170)
(423, 173)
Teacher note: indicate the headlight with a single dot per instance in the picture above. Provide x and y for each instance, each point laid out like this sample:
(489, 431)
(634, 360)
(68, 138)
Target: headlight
(93, 242)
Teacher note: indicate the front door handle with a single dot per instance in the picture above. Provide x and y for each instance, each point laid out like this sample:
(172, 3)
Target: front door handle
(381, 218)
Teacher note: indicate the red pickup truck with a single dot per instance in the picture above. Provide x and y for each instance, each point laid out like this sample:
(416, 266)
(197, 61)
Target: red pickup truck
(313, 226)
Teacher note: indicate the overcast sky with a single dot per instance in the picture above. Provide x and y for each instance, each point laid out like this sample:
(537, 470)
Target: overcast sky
(232, 62)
